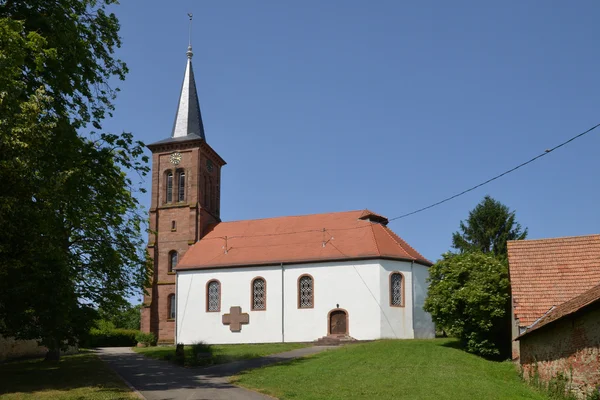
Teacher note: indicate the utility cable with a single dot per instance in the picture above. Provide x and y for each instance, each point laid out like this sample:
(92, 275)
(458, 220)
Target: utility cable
(495, 177)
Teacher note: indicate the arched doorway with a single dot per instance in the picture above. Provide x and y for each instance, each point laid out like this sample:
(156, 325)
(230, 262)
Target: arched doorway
(337, 322)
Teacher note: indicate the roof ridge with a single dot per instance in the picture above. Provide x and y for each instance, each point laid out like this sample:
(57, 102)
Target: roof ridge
(289, 216)
(401, 242)
(371, 225)
(554, 238)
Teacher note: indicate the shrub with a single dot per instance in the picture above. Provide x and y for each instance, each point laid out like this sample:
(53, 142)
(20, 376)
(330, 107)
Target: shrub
(469, 297)
(111, 338)
(147, 339)
(201, 349)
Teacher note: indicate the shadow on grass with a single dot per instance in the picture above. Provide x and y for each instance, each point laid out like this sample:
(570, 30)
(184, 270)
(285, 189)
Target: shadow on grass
(69, 373)
(455, 343)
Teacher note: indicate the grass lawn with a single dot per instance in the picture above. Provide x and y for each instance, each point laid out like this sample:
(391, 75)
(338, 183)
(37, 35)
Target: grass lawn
(221, 353)
(79, 376)
(391, 369)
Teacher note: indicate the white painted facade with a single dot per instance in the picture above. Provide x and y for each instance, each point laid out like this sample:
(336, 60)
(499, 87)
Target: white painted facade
(361, 288)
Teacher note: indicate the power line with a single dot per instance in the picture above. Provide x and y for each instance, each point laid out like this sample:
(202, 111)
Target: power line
(495, 177)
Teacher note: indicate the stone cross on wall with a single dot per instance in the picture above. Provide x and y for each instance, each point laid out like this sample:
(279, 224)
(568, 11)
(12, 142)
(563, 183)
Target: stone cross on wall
(235, 319)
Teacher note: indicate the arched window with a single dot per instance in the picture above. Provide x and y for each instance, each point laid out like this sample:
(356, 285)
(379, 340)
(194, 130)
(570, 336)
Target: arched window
(169, 187)
(171, 305)
(305, 292)
(259, 294)
(181, 186)
(173, 259)
(213, 296)
(396, 289)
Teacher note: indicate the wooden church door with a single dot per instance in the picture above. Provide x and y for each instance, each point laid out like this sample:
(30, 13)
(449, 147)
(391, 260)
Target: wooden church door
(337, 323)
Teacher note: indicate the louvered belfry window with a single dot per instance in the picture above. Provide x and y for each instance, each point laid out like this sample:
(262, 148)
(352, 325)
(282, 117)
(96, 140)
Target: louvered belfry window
(173, 256)
(172, 306)
(259, 294)
(396, 289)
(213, 296)
(181, 188)
(305, 292)
(169, 187)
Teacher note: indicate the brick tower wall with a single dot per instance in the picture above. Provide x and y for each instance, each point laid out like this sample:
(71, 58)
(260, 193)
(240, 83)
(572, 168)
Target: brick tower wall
(177, 225)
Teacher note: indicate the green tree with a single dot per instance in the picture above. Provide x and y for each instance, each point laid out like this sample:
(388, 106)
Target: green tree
(71, 224)
(126, 316)
(487, 229)
(469, 297)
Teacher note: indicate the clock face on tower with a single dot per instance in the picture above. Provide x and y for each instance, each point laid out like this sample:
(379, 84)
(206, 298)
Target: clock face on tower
(175, 158)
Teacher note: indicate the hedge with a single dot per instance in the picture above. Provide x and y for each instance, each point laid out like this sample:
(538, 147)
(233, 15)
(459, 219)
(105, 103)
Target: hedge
(111, 338)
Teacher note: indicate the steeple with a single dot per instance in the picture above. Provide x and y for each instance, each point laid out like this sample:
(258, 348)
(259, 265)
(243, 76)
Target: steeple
(188, 121)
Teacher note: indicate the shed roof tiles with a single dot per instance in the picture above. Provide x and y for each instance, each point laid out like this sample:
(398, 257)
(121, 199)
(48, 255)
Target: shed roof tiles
(565, 309)
(298, 239)
(545, 273)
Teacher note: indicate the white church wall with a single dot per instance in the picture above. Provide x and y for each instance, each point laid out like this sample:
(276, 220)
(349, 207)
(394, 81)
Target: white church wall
(361, 288)
(396, 322)
(194, 323)
(423, 325)
(353, 285)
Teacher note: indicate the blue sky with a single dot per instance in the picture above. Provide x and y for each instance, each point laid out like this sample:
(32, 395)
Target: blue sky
(321, 106)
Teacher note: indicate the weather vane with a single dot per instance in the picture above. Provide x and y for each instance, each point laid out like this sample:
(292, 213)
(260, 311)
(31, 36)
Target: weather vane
(189, 51)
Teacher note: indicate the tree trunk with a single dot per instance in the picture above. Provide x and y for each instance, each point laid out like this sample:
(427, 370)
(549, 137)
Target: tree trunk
(53, 353)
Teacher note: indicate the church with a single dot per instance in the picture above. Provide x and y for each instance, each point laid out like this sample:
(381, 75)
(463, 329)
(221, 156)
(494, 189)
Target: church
(340, 275)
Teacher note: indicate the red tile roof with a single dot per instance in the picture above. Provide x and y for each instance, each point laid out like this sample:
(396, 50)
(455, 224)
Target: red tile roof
(306, 238)
(548, 272)
(570, 307)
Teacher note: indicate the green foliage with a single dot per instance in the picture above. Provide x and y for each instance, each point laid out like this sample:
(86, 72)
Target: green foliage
(557, 388)
(71, 225)
(469, 297)
(594, 395)
(147, 339)
(125, 316)
(489, 226)
(111, 338)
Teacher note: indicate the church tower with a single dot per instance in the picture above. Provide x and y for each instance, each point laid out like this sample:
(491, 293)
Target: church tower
(186, 181)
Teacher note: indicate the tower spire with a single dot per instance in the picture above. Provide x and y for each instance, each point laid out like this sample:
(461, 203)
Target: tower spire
(188, 121)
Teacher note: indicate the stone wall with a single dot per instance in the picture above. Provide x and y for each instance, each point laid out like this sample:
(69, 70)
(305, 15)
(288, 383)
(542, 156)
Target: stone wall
(570, 346)
(11, 348)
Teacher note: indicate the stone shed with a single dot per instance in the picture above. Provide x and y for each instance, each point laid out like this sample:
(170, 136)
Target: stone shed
(545, 273)
(566, 341)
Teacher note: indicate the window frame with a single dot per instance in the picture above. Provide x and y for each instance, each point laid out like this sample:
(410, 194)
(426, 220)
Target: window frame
(207, 295)
(169, 187)
(170, 261)
(312, 294)
(391, 289)
(181, 192)
(171, 307)
(252, 294)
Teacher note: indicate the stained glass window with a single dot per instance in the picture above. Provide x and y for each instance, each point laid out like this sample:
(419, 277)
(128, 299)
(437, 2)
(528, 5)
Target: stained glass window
(396, 289)
(259, 294)
(213, 296)
(305, 292)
